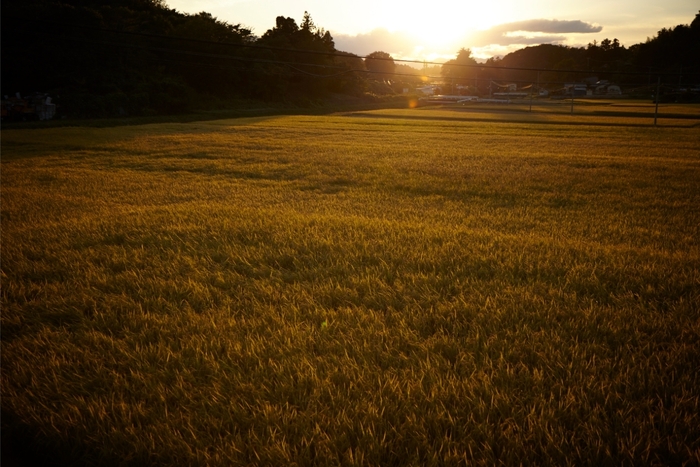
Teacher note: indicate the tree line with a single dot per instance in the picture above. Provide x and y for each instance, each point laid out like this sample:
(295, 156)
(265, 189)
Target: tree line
(671, 58)
(136, 57)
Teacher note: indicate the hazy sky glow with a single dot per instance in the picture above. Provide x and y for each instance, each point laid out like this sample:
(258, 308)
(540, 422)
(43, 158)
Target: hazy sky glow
(436, 30)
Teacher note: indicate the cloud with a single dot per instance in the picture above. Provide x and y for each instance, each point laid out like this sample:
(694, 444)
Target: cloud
(534, 31)
(551, 26)
(377, 40)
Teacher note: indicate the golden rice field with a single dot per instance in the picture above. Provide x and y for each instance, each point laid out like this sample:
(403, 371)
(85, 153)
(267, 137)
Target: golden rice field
(398, 287)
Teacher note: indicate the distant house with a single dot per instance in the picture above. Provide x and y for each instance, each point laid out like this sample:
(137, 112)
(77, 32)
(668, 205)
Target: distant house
(36, 106)
(511, 91)
(427, 90)
(605, 88)
(575, 89)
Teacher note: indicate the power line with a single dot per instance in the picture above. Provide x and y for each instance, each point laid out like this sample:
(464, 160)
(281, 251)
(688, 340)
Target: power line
(336, 54)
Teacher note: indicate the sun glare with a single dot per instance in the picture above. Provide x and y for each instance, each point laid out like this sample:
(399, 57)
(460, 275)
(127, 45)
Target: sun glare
(445, 28)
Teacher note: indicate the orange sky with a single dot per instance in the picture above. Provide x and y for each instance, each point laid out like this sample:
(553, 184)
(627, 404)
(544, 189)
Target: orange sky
(436, 30)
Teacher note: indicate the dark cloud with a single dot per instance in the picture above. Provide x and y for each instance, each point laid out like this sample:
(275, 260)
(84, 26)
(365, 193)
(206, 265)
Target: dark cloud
(378, 39)
(542, 31)
(550, 26)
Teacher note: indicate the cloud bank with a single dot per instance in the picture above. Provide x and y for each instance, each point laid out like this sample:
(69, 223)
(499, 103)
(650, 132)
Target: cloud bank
(534, 31)
(395, 43)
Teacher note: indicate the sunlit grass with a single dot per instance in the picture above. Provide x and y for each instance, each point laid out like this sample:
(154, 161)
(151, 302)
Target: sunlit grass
(370, 288)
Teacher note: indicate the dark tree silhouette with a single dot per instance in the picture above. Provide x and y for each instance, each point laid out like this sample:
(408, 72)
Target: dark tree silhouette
(381, 64)
(461, 69)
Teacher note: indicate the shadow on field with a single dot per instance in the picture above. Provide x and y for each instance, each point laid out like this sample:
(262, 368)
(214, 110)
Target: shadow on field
(138, 121)
(524, 116)
(262, 113)
(20, 449)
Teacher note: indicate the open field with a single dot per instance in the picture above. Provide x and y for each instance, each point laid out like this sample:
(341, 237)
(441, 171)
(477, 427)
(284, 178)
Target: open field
(399, 287)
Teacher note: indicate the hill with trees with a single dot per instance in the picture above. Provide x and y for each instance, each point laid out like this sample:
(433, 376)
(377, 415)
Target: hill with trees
(673, 57)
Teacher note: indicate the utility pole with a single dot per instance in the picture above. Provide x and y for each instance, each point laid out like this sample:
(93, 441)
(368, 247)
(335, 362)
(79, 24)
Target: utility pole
(573, 91)
(656, 98)
(536, 89)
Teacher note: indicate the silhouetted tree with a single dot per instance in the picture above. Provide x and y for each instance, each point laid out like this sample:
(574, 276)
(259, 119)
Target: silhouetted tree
(348, 79)
(304, 56)
(461, 70)
(674, 50)
(381, 64)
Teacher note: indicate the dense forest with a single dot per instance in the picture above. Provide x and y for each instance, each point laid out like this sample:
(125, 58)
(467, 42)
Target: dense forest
(139, 57)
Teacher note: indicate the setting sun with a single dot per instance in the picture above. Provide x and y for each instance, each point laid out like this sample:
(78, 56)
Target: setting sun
(443, 28)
